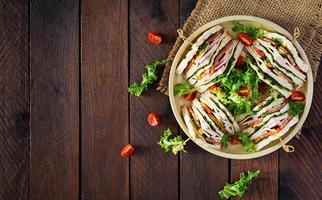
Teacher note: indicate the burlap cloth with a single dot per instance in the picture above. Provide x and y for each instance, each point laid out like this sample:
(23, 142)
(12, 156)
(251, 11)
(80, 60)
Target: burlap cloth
(305, 14)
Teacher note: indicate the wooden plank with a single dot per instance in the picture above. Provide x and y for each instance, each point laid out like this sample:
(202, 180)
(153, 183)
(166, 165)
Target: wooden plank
(202, 174)
(14, 100)
(300, 172)
(153, 173)
(266, 185)
(54, 93)
(104, 78)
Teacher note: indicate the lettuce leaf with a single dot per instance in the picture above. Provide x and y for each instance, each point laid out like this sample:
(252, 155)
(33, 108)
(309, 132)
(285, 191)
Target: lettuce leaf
(168, 142)
(147, 78)
(296, 108)
(238, 188)
(249, 29)
(183, 88)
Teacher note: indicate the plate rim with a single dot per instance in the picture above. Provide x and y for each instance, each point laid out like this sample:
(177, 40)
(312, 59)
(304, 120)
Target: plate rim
(285, 138)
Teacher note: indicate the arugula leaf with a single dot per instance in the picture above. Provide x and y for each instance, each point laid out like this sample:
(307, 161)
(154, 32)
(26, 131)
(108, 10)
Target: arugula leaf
(147, 78)
(183, 88)
(247, 144)
(296, 108)
(249, 29)
(174, 144)
(238, 188)
(224, 140)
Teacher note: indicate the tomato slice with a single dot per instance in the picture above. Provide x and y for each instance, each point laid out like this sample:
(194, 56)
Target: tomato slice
(245, 38)
(260, 53)
(191, 96)
(154, 38)
(153, 119)
(297, 96)
(234, 140)
(243, 91)
(240, 62)
(127, 150)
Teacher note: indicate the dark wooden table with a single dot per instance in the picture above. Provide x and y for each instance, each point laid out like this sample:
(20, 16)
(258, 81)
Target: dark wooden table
(65, 112)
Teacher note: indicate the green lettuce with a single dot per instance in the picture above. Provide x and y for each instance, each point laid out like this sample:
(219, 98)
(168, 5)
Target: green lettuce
(238, 188)
(249, 29)
(147, 78)
(183, 88)
(168, 142)
(296, 108)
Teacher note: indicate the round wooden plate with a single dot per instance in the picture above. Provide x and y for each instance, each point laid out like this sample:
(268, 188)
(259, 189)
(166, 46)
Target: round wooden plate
(236, 151)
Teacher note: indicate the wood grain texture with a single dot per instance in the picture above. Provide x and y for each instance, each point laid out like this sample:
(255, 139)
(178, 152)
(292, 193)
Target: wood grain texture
(14, 100)
(54, 102)
(104, 77)
(300, 172)
(153, 173)
(265, 186)
(202, 174)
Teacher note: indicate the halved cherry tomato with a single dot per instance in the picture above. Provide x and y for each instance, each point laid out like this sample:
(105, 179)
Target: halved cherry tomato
(127, 150)
(240, 62)
(153, 119)
(245, 38)
(297, 96)
(243, 91)
(234, 140)
(154, 38)
(260, 53)
(191, 96)
(262, 87)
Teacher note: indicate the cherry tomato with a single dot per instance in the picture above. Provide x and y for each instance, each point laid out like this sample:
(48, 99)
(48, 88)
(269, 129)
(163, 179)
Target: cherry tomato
(240, 62)
(153, 119)
(297, 96)
(214, 87)
(154, 38)
(191, 96)
(245, 38)
(127, 150)
(234, 140)
(260, 53)
(243, 91)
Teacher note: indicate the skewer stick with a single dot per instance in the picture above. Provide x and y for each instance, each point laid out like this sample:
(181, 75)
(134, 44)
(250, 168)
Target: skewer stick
(287, 148)
(296, 34)
(184, 38)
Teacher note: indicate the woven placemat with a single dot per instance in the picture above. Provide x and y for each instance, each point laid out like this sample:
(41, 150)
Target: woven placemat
(305, 14)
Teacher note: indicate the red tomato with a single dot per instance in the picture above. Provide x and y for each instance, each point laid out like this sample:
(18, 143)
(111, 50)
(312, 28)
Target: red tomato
(154, 38)
(297, 96)
(234, 140)
(127, 150)
(191, 96)
(243, 91)
(153, 119)
(214, 87)
(260, 53)
(240, 62)
(245, 39)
